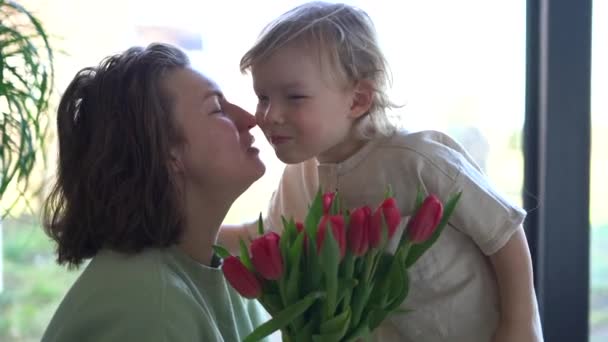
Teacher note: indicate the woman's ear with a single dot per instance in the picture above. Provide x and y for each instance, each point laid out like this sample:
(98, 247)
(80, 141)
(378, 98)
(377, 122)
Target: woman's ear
(363, 97)
(175, 161)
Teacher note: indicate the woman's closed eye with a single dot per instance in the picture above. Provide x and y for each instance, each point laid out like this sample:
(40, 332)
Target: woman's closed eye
(216, 111)
(217, 107)
(296, 97)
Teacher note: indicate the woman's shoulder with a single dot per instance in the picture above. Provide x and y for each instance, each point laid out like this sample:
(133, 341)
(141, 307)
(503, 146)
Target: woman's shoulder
(122, 280)
(128, 272)
(127, 293)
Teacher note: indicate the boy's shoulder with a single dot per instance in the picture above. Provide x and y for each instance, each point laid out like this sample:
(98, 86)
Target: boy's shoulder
(424, 147)
(429, 151)
(421, 142)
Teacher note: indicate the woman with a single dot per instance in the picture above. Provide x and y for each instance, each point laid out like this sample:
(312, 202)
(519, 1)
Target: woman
(151, 156)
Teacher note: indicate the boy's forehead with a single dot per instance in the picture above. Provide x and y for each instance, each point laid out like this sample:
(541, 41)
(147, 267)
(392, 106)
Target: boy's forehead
(280, 74)
(280, 82)
(276, 84)
(290, 67)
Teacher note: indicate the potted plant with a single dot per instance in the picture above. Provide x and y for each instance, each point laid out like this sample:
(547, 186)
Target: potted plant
(26, 79)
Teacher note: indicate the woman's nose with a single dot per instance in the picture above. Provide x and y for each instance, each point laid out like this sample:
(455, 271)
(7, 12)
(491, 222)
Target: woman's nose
(242, 118)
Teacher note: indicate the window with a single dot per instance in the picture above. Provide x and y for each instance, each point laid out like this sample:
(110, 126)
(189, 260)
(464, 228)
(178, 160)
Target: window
(598, 319)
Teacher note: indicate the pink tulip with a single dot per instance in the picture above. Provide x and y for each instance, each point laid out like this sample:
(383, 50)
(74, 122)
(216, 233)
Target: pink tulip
(266, 256)
(240, 278)
(337, 229)
(358, 230)
(328, 199)
(422, 226)
(392, 217)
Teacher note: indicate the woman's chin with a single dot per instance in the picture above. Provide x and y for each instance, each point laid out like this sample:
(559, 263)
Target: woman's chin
(260, 171)
(258, 168)
(255, 170)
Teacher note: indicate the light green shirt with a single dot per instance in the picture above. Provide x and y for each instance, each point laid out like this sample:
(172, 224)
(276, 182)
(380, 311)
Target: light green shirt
(156, 295)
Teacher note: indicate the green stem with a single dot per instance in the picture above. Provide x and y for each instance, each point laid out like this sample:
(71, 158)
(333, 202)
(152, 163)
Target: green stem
(363, 289)
(348, 269)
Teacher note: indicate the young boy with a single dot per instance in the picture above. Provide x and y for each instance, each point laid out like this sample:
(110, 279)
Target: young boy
(320, 78)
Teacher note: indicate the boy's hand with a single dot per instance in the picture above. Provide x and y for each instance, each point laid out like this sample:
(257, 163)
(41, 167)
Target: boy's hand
(229, 236)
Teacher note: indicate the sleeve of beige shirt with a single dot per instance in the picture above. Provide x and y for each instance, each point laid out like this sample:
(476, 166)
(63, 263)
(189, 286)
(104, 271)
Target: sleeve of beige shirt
(483, 213)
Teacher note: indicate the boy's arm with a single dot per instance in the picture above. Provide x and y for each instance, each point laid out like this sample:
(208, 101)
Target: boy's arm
(230, 235)
(519, 317)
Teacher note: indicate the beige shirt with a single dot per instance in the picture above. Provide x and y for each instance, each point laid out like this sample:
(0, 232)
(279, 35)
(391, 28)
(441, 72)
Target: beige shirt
(453, 290)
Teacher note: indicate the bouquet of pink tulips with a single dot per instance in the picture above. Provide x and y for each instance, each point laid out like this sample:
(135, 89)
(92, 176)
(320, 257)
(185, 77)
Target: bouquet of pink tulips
(331, 278)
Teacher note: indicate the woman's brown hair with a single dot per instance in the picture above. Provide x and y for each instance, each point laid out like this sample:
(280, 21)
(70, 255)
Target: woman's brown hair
(114, 186)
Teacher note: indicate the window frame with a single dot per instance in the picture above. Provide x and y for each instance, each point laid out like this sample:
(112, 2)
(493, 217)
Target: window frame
(557, 146)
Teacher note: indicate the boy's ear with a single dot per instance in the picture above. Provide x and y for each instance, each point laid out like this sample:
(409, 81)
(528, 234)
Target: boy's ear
(363, 98)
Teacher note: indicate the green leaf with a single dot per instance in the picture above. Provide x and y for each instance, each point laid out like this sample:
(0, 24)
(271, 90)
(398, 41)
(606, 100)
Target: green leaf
(260, 225)
(295, 251)
(347, 268)
(382, 275)
(313, 266)
(305, 333)
(398, 287)
(283, 318)
(337, 325)
(294, 278)
(330, 254)
(271, 287)
(376, 316)
(345, 289)
(417, 250)
(362, 292)
(388, 192)
(245, 258)
(293, 231)
(361, 332)
(419, 198)
(272, 301)
(314, 215)
(221, 251)
(336, 204)
(329, 337)
(26, 78)
(288, 233)
(284, 244)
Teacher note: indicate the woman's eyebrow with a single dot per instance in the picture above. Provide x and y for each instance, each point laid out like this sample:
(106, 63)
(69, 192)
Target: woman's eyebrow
(213, 93)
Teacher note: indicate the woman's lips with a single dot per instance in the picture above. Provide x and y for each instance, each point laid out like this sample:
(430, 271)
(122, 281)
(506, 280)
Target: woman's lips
(279, 139)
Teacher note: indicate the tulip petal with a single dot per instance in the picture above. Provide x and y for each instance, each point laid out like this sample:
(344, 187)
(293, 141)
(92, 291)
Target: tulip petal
(240, 278)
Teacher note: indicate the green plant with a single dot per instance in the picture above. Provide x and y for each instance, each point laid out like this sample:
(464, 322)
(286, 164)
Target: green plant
(26, 78)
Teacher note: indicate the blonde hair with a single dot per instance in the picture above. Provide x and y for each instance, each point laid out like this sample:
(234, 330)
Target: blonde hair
(345, 37)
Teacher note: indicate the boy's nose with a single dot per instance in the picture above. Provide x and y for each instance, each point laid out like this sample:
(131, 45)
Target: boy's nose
(273, 115)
